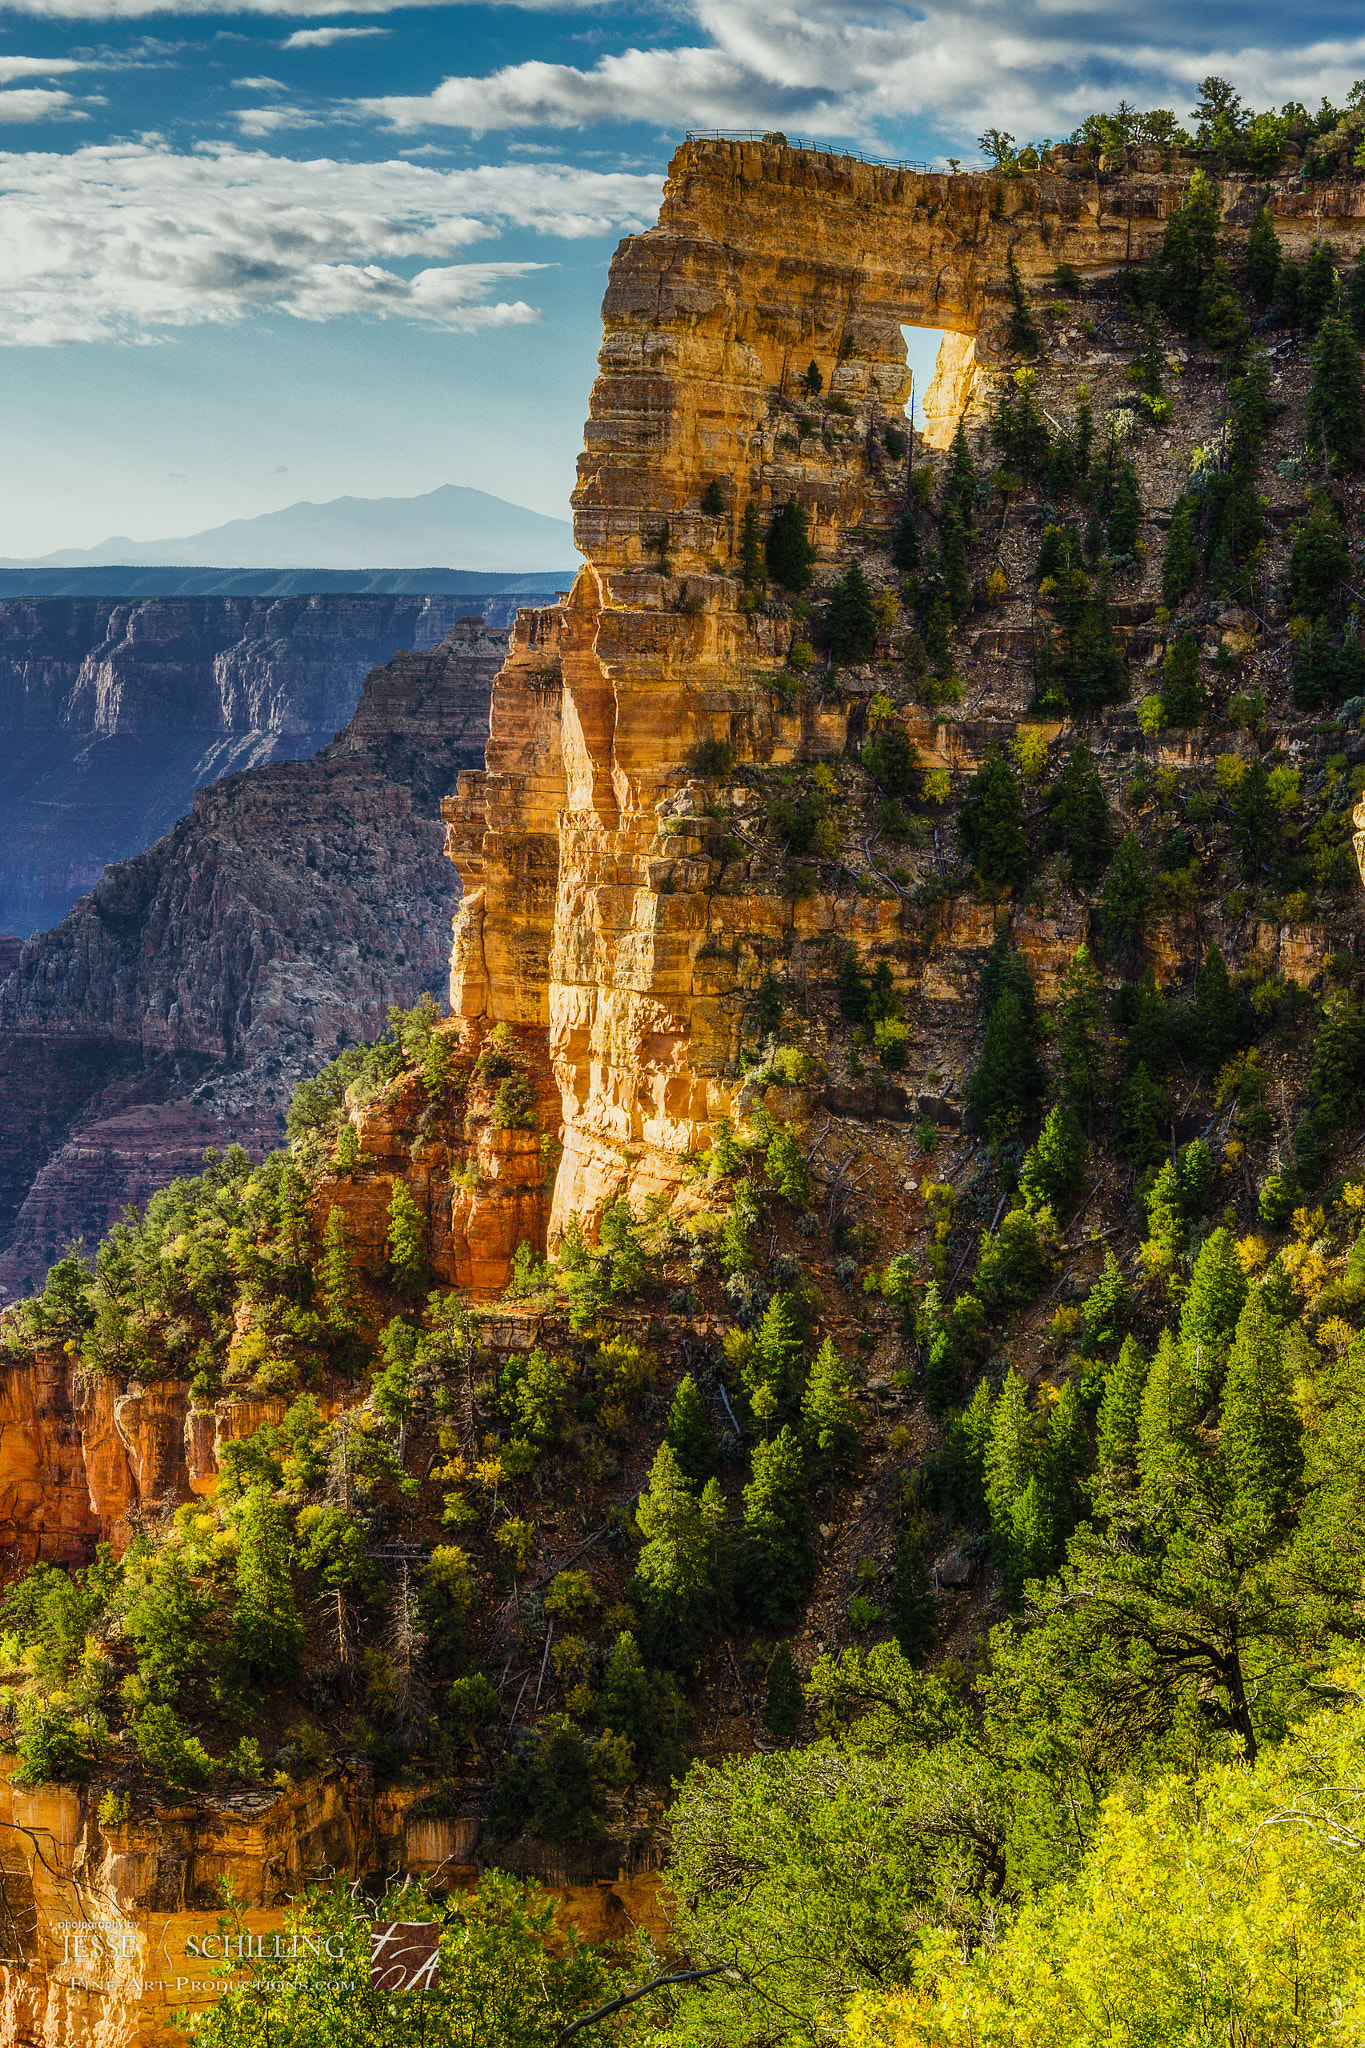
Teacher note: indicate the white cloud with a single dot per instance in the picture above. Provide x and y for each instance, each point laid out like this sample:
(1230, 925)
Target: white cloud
(261, 84)
(124, 240)
(260, 122)
(27, 103)
(323, 38)
(36, 67)
(828, 67)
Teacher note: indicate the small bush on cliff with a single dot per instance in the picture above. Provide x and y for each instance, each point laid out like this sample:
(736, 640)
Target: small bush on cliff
(57, 1746)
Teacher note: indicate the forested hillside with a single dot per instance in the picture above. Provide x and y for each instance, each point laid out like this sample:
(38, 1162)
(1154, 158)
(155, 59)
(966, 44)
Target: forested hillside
(933, 1540)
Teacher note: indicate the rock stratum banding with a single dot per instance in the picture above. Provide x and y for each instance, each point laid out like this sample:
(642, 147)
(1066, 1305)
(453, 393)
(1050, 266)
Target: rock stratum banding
(594, 906)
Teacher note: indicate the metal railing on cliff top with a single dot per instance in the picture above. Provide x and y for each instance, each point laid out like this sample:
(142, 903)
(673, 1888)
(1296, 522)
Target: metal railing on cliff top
(881, 163)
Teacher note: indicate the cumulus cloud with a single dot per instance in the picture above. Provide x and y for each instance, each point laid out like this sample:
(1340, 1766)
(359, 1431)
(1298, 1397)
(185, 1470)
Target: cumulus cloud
(124, 240)
(35, 67)
(28, 103)
(865, 68)
(323, 38)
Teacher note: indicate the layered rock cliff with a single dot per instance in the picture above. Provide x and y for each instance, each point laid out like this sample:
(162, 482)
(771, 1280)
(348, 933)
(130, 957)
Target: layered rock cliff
(112, 713)
(179, 1003)
(596, 908)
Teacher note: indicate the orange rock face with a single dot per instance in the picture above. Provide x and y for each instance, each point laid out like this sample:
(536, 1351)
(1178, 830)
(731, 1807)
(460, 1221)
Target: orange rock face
(596, 907)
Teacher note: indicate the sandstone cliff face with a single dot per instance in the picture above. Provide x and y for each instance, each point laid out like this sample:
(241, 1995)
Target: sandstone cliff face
(180, 1002)
(113, 713)
(594, 907)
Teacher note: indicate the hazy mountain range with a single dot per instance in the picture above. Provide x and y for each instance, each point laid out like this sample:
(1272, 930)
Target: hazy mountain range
(450, 526)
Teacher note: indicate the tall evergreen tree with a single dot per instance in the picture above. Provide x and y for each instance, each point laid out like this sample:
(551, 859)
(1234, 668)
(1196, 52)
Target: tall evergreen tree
(1005, 1089)
(778, 1559)
(1211, 1308)
(1078, 816)
(750, 547)
(1128, 895)
(791, 554)
(1183, 697)
(1080, 1041)
(689, 1435)
(905, 547)
(267, 1631)
(1180, 565)
(1319, 287)
(1120, 1407)
(829, 1428)
(1012, 1455)
(407, 1238)
(953, 564)
(991, 823)
(1053, 1172)
(340, 1284)
(1215, 1023)
(850, 620)
(1168, 1415)
(1125, 516)
(1263, 256)
(674, 1571)
(1336, 402)
(1260, 1442)
(851, 981)
(958, 494)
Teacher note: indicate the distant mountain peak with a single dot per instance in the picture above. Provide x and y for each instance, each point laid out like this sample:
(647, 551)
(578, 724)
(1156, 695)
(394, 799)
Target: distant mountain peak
(451, 525)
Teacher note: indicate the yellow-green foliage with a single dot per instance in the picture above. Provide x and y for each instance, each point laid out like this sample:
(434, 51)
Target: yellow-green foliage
(1223, 1911)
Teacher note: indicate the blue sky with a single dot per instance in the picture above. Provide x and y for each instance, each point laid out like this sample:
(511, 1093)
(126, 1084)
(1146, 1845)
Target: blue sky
(294, 251)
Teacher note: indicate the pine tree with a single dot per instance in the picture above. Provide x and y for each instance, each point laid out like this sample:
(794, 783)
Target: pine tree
(1125, 517)
(750, 547)
(1209, 1316)
(1319, 560)
(1253, 828)
(775, 1352)
(713, 499)
(1023, 337)
(1121, 1405)
(406, 1238)
(1319, 287)
(1012, 1454)
(340, 1285)
(1031, 1543)
(1054, 1169)
(1336, 403)
(850, 620)
(786, 1701)
(1140, 1117)
(267, 1631)
(689, 1435)
(851, 981)
(905, 548)
(1263, 256)
(1355, 300)
(953, 564)
(1149, 370)
(1005, 1089)
(1189, 252)
(812, 379)
(1064, 1458)
(1106, 1308)
(1078, 816)
(1183, 697)
(791, 555)
(959, 481)
(1128, 895)
(778, 1555)
(1215, 1022)
(674, 1572)
(1167, 1416)
(1260, 1442)
(1180, 565)
(829, 1428)
(991, 823)
(1080, 1042)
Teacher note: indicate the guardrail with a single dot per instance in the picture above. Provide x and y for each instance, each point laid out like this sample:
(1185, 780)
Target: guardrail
(881, 163)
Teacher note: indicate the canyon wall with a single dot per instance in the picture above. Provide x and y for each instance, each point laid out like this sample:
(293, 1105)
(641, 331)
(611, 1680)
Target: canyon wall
(112, 714)
(180, 1002)
(597, 909)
